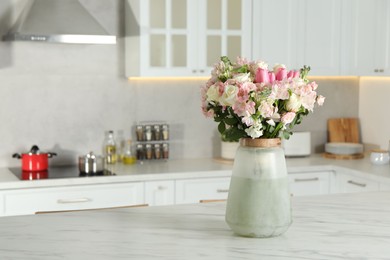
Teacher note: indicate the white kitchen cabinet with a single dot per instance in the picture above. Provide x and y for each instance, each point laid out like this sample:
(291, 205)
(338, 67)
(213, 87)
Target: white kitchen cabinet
(369, 37)
(275, 38)
(297, 33)
(160, 192)
(32, 201)
(184, 37)
(347, 183)
(203, 189)
(320, 40)
(310, 183)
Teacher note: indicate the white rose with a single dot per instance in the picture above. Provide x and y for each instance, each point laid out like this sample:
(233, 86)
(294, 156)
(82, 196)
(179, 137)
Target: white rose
(242, 77)
(229, 95)
(212, 94)
(294, 103)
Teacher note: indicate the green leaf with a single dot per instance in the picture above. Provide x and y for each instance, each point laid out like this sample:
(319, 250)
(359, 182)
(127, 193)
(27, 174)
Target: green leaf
(221, 127)
(231, 121)
(234, 134)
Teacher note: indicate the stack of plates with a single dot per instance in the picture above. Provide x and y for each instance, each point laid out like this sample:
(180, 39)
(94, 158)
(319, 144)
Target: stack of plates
(343, 150)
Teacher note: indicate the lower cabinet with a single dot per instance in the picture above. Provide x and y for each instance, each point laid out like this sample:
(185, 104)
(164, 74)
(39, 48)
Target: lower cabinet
(311, 183)
(40, 200)
(160, 192)
(347, 183)
(201, 190)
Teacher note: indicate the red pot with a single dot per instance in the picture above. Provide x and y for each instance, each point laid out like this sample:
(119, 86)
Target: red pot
(34, 160)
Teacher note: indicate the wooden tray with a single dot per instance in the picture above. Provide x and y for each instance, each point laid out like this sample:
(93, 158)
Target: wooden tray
(223, 160)
(343, 156)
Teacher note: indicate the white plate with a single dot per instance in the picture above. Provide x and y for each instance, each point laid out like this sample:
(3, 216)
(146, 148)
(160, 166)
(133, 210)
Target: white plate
(343, 148)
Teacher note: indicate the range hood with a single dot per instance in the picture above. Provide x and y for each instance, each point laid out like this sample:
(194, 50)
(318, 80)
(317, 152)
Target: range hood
(58, 21)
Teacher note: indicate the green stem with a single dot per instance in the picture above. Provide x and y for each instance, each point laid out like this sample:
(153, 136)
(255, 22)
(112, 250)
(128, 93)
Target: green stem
(277, 129)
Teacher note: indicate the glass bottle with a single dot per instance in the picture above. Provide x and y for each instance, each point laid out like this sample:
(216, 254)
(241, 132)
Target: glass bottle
(109, 148)
(128, 156)
(120, 145)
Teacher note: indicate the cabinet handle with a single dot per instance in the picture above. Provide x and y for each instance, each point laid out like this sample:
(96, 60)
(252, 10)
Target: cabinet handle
(307, 179)
(381, 70)
(194, 71)
(222, 190)
(79, 200)
(376, 70)
(162, 188)
(357, 183)
(201, 71)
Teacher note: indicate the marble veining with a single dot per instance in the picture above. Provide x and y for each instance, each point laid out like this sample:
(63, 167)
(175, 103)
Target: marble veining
(342, 226)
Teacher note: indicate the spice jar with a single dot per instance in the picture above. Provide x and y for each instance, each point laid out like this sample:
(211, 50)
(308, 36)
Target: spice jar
(148, 152)
(140, 152)
(139, 130)
(157, 151)
(156, 132)
(165, 132)
(165, 153)
(148, 133)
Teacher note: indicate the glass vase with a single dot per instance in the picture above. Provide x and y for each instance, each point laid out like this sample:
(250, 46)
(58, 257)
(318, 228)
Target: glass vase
(259, 203)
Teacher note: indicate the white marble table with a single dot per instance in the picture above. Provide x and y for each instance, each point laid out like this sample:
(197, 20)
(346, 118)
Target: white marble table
(342, 226)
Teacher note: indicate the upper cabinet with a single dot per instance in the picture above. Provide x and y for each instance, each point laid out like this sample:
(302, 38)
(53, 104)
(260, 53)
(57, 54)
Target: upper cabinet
(297, 33)
(187, 37)
(368, 37)
(184, 37)
(274, 32)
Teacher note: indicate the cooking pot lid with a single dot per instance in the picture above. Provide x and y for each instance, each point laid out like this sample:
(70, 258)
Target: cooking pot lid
(90, 156)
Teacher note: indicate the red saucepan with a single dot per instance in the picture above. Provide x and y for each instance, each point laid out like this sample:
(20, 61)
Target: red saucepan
(34, 160)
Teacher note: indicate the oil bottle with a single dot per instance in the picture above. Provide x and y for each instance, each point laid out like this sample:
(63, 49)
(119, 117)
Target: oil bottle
(109, 148)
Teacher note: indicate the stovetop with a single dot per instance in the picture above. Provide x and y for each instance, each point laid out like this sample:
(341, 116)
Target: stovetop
(56, 172)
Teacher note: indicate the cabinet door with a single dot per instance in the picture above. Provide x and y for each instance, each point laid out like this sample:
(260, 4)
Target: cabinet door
(185, 37)
(318, 33)
(369, 32)
(224, 30)
(31, 201)
(160, 193)
(168, 37)
(275, 31)
(197, 190)
(347, 184)
(313, 183)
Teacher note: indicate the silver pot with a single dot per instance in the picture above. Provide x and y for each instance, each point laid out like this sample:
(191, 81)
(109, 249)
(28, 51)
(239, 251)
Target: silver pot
(91, 164)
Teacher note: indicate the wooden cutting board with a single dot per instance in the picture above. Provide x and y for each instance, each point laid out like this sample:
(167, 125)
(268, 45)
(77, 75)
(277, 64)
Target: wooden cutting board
(343, 130)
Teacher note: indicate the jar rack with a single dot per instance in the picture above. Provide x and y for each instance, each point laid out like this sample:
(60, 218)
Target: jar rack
(152, 140)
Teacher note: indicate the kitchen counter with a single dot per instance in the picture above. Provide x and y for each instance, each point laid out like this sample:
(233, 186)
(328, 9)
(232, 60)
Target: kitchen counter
(198, 168)
(342, 226)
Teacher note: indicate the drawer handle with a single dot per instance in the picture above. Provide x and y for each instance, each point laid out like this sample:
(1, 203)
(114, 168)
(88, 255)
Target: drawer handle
(79, 200)
(162, 188)
(357, 183)
(222, 190)
(307, 179)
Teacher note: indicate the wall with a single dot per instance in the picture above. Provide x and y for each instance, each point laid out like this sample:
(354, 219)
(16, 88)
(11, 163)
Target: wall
(63, 97)
(374, 110)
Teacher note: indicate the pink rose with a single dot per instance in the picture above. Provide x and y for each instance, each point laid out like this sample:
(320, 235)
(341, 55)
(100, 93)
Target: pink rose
(288, 117)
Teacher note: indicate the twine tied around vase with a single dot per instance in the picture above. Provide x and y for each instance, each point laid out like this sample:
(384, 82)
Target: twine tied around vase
(261, 142)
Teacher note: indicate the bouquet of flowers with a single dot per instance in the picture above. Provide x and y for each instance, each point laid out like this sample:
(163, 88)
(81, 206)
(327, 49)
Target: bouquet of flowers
(249, 100)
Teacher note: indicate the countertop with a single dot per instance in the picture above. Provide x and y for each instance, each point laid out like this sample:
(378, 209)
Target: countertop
(340, 226)
(198, 168)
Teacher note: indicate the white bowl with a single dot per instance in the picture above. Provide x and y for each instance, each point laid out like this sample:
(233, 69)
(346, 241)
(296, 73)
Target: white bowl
(343, 148)
(379, 157)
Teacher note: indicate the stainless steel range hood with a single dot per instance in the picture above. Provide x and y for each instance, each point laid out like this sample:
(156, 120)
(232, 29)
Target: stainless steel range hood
(58, 21)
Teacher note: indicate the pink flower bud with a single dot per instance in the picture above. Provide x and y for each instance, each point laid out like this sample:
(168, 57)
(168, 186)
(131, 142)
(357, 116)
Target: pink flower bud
(296, 74)
(281, 74)
(262, 76)
(290, 74)
(271, 77)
